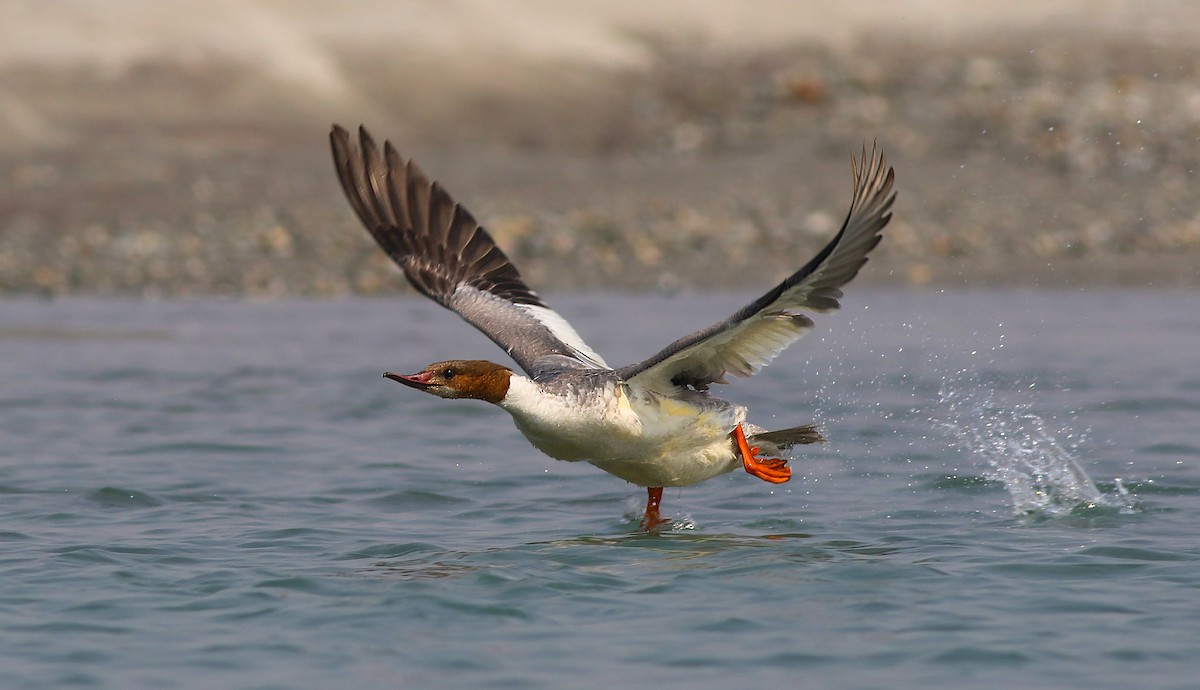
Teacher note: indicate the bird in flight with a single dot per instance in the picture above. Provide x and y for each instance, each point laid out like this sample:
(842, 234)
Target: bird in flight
(653, 423)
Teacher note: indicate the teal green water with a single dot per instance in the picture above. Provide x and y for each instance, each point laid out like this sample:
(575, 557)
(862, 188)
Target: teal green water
(226, 494)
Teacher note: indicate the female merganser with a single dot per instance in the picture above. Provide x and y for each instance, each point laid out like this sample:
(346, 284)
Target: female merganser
(652, 423)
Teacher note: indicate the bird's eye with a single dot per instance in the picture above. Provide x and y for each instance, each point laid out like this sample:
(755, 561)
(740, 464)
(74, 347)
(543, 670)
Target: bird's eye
(447, 373)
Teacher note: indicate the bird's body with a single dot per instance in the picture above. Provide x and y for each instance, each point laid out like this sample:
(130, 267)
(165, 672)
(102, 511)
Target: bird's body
(636, 434)
(652, 423)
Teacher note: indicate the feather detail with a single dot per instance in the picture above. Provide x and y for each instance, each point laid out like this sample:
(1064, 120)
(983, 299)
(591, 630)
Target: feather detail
(757, 333)
(450, 258)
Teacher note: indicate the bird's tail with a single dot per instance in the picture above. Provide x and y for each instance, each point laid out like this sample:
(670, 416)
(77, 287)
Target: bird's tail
(786, 438)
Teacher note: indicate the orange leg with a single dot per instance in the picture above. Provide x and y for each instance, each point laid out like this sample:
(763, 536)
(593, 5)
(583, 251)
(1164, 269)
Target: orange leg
(774, 470)
(653, 501)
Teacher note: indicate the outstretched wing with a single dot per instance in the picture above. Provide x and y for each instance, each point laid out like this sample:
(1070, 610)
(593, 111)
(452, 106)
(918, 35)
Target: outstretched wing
(751, 338)
(451, 259)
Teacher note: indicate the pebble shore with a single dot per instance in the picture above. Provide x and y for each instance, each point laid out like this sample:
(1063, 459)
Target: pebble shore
(1041, 160)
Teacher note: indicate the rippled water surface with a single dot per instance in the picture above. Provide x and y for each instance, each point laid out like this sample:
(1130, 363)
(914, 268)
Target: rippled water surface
(226, 494)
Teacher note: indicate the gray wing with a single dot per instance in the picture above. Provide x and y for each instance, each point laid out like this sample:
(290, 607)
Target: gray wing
(751, 338)
(449, 258)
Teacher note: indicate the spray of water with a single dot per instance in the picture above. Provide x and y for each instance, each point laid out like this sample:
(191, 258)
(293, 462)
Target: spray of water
(988, 418)
(1041, 474)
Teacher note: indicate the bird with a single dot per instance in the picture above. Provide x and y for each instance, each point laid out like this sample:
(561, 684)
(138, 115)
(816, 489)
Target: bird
(654, 423)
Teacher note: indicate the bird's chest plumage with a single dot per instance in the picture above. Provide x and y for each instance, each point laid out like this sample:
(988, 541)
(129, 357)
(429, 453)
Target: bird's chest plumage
(640, 436)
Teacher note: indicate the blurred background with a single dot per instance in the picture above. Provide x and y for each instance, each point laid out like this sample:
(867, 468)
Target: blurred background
(179, 148)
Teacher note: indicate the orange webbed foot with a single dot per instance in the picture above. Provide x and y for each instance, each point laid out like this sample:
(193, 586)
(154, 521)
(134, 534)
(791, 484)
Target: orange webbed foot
(774, 470)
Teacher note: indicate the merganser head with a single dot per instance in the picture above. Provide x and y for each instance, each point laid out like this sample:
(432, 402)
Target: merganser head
(460, 378)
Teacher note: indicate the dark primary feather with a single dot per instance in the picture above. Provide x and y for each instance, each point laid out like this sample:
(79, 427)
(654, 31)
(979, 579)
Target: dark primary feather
(449, 257)
(749, 339)
(435, 240)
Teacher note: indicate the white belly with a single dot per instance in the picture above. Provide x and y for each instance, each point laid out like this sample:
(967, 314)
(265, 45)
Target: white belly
(650, 441)
(680, 468)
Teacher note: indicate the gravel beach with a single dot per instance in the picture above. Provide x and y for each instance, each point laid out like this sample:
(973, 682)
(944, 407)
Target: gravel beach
(1053, 148)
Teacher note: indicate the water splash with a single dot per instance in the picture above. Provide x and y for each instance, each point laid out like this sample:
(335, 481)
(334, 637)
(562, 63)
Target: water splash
(1040, 473)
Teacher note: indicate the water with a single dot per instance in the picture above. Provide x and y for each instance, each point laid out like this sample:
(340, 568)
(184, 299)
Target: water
(226, 494)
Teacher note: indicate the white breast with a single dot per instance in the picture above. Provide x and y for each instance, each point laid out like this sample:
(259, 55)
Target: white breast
(576, 425)
(650, 440)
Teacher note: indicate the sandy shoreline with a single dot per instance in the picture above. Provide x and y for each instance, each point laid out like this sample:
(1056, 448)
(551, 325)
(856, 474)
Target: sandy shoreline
(1041, 145)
